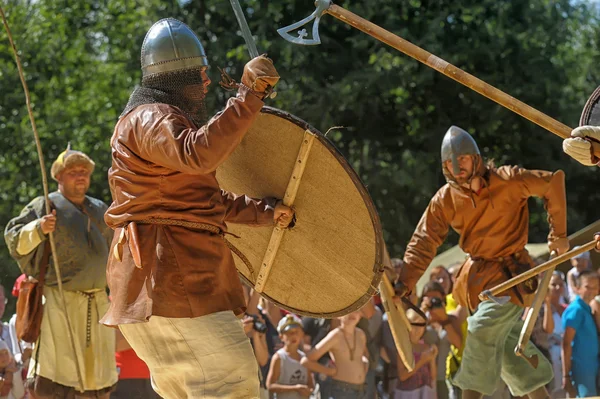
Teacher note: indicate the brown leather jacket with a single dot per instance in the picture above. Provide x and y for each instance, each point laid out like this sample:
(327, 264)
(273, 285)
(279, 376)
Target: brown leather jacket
(164, 167)
(493, 226)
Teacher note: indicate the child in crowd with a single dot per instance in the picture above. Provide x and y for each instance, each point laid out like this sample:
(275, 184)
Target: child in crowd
(580, 263)
(580, 340)
(421, 382)
(347, 345)
(287, 378)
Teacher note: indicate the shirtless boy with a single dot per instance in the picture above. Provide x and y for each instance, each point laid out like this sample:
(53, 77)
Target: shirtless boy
(347, 346)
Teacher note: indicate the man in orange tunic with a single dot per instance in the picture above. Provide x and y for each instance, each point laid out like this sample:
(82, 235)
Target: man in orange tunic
(487, 207)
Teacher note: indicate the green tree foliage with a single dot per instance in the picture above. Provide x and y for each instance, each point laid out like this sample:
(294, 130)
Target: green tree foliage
(396, 110)
(82, 61)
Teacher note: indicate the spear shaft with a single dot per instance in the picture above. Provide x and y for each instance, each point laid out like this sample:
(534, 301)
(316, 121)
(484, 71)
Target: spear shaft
(38, 145)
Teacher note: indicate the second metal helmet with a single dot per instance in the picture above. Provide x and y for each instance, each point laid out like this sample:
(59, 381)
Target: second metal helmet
(457, 142)
(170, 45)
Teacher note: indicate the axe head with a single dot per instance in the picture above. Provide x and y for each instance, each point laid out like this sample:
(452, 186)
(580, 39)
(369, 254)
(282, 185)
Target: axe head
(533, 360)
(487, 294)
(322, 6)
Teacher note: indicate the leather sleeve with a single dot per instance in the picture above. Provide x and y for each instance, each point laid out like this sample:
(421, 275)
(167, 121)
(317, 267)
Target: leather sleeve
(550, 186)
(428, 236)
(242, 209)
(172, 141)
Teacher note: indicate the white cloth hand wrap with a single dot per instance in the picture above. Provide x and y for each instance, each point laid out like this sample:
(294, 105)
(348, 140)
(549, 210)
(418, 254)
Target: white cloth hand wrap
(578, 147)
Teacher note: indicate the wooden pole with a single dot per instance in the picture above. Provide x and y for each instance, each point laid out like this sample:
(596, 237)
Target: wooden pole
(38, 145)
(536, 270)
(532, 314)
(455, 73)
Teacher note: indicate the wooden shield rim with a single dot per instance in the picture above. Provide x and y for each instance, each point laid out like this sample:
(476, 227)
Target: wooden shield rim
(379, 243)
(586, 114)
(398, 323)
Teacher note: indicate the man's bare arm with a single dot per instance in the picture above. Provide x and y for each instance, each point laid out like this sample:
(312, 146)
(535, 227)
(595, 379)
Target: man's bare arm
(403, 372)
(548, 320)
(454, 332)
(433, 372)
(317, 367)
(261, 350)
(460, 313)
(323, 346)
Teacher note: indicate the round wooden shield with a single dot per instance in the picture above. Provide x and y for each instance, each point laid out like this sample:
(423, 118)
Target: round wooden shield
(330, 262)
(591, 111)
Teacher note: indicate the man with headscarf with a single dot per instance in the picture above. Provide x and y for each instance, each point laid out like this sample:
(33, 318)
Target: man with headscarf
(175, 291)
(487, 207)
(82, 241)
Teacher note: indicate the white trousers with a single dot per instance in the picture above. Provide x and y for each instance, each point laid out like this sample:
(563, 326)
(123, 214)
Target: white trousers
(202, 357)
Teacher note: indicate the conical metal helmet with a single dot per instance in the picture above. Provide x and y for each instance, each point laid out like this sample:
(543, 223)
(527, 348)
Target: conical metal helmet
(457, 142)
(170, 45)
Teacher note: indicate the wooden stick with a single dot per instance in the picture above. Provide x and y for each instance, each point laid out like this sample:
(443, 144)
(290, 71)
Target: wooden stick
(38, 145)
(532, 315)
(455, 73)
(536, 270)
(399, 324)
(288, 200)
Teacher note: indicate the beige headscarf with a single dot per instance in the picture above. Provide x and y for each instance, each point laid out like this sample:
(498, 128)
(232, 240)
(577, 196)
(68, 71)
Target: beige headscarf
(69, 158)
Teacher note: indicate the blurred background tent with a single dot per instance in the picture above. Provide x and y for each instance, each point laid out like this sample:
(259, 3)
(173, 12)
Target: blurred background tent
(456, 255)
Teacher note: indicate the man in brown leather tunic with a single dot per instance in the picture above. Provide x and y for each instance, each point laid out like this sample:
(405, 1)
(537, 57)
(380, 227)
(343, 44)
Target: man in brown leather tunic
(174, 285)
(487, 207)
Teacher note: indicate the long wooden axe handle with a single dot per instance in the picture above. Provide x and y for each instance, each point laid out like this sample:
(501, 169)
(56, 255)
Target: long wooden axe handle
(46, 197)
(485, 295)
(425, 57)
(532, 314)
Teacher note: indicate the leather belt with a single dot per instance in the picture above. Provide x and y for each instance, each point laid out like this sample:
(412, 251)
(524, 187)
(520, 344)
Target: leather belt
(129, 234)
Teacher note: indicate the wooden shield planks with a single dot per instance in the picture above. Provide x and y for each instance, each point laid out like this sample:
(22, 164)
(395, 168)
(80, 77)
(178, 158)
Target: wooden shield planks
(329, 264)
